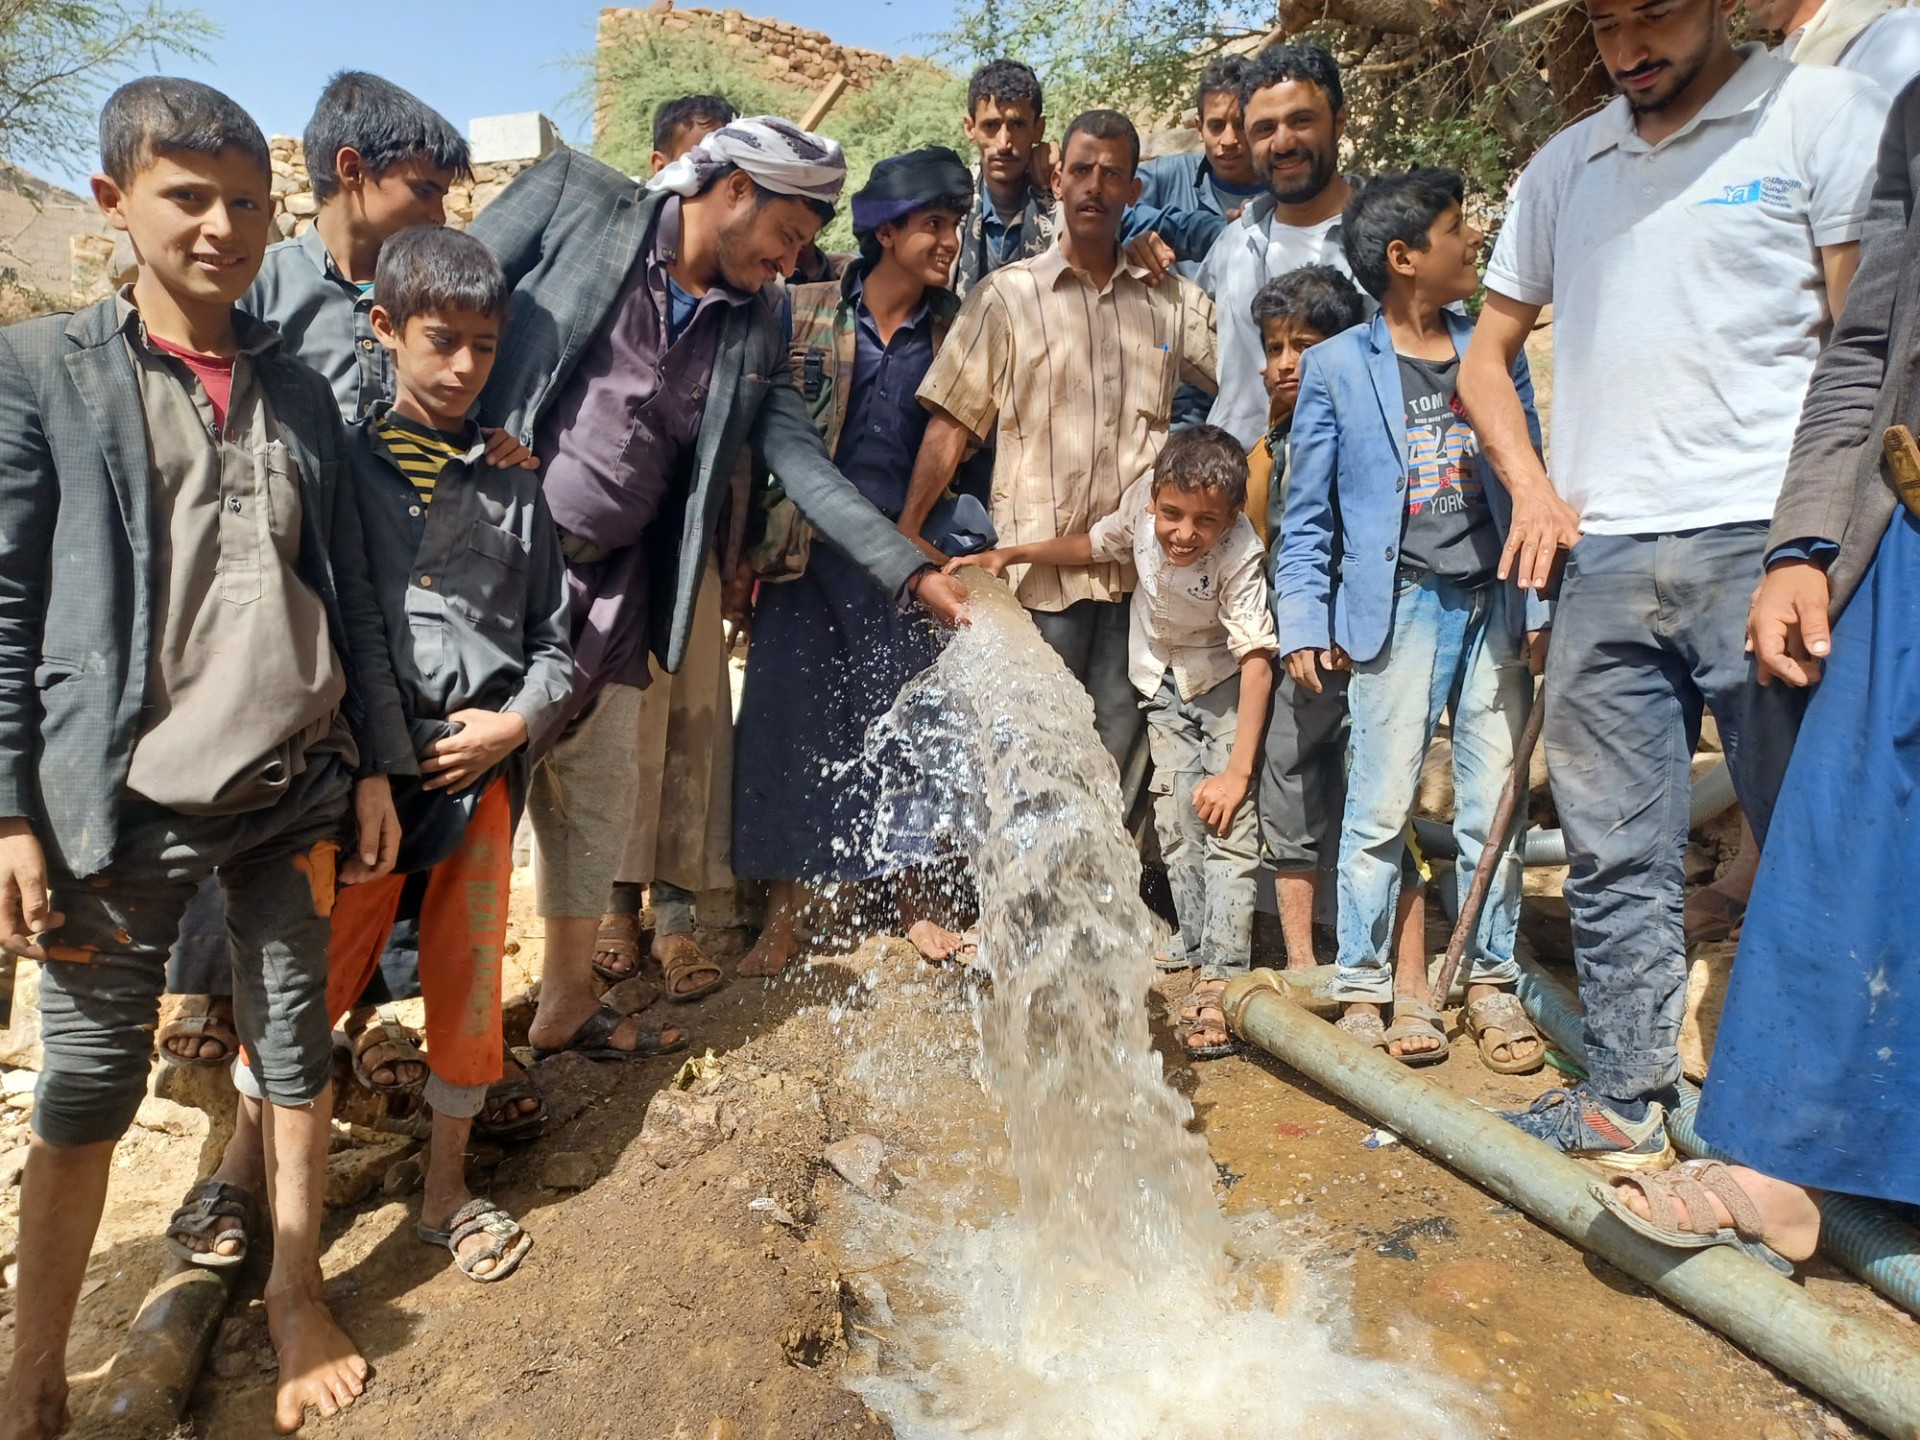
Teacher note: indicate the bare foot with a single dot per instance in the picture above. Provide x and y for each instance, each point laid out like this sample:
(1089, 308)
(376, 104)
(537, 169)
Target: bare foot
(36, 1406)
(319, 1366)
(776, 948)
(1789, 1215)
(936, 942)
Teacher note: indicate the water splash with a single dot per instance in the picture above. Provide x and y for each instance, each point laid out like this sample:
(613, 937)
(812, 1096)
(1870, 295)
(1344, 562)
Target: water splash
(1102, 1293)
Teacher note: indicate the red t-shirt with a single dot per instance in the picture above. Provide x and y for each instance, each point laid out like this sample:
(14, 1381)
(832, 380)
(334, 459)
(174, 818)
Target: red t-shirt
(215, 372)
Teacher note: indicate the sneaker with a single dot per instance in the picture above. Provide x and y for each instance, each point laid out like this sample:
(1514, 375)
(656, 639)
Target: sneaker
(1577, 1123)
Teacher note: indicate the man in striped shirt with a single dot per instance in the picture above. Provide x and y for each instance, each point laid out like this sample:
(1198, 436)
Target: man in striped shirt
(1068, 361)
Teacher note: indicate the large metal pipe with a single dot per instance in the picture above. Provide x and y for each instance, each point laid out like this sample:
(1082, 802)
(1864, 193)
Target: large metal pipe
(1863, 1367)
(153, 1374)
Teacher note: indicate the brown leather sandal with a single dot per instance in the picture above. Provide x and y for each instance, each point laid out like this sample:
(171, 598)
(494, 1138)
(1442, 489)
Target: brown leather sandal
(689, 973)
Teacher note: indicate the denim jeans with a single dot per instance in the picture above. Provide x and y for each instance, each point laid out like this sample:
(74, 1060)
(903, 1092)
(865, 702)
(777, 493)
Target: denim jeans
(1091, 639)
(1212, 875)
(1450, 648)
(1649, 630)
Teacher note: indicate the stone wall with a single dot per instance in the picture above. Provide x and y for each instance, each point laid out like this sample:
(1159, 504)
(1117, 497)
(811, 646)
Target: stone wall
(786, 53)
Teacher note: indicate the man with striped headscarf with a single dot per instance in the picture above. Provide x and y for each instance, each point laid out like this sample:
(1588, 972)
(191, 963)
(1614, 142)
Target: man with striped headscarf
(644, 357)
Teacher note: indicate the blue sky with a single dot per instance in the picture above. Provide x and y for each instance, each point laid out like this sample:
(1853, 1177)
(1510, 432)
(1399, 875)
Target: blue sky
(468, 57)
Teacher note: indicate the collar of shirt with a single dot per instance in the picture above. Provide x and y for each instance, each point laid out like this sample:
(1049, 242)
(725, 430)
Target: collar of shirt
(251, 336)
(666, 250)
(1053, 267)
(1744, 90)
(315, 249)
(856, 299)
(381, 413)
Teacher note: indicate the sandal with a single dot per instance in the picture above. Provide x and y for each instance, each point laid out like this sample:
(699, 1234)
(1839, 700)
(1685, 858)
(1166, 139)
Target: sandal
(1203, 1013)
(594, 1039)
(382, 1043)
(1503, 1015)
(199, 1018)
(507, 1244)
(1366, 1026)
(619, 936)
(1416, 1020)
(213, 1211)
(682, 960)
(499, 1119)
(1695, 1184)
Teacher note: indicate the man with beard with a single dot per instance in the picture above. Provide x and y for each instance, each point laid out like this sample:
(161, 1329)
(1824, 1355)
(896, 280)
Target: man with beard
(1695, 239)
(1294, 112)
(1069, 361)
(639, 359)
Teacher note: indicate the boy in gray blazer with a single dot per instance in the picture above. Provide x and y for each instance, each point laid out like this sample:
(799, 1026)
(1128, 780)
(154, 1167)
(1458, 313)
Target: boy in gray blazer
(193, 680)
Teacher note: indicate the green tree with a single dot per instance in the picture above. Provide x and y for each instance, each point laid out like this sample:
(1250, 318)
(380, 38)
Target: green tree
(58, 56)
(914, 104)
(1427, 82)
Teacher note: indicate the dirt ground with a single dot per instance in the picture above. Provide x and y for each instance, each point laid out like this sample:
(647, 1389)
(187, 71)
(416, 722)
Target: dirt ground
(706, 1299)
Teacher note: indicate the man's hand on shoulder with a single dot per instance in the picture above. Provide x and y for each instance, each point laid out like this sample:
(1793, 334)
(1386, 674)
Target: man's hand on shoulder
(1151, 254)
(25, 909)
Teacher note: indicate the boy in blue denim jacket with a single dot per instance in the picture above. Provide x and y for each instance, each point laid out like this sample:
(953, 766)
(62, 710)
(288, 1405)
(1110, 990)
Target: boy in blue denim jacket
(1385, 465)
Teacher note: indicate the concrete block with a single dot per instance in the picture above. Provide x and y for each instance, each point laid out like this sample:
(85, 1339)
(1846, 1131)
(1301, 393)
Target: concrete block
(526, 136)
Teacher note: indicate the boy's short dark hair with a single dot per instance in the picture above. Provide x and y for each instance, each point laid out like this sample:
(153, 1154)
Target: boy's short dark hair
(1005, 82)
(1278, 64)
(1203, 457)
(161, 112)
(385, 124)
(1394, 207)
(670, 115)
(1103, 125)
(1316, 296)
(430, 267)
(1221, 77)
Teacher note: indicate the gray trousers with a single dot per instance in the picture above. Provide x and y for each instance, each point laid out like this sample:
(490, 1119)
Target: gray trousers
(100, 990)
(1090, 637)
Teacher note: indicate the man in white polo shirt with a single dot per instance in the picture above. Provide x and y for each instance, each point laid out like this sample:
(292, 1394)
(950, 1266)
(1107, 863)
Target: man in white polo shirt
(1695, 239)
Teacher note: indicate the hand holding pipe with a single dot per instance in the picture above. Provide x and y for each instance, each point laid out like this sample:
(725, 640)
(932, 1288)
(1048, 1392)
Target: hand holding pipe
(1496, 846)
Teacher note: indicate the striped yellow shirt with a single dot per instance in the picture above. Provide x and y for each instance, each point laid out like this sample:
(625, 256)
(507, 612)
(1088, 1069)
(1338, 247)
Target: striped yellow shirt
(422, 454)
(1076, 384)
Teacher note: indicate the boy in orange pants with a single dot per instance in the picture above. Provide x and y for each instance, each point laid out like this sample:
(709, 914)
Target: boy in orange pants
(471, 585)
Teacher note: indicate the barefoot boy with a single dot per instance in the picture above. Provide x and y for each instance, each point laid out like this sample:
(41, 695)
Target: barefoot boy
(1384, 465)
(193, 681)
(1201, 652)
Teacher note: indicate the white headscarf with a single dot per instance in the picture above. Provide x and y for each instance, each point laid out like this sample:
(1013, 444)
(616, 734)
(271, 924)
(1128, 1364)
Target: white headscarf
(1823, 39)
(777, 153)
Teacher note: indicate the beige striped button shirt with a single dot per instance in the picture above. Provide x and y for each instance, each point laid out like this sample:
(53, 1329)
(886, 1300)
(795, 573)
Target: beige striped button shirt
(1079, 383)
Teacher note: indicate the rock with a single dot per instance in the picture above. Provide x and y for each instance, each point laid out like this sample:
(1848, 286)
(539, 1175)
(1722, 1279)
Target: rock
(231, 1364)
(570, 1083)
(569, 1170)
(237, 1332)
(404, 1177)
(631, 996)
(20, 1038)
(1709, 971)
(22, 1103)
(679, 1126)
(354, 1174)
(861, 1161)
(11, 1164)
(164, 1117)
(17, 1082)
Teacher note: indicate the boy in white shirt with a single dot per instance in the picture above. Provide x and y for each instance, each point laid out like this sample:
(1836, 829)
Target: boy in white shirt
(1201, 652)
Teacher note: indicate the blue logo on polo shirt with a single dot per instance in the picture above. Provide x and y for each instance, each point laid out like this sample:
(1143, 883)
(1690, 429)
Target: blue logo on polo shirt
(1769, 189)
